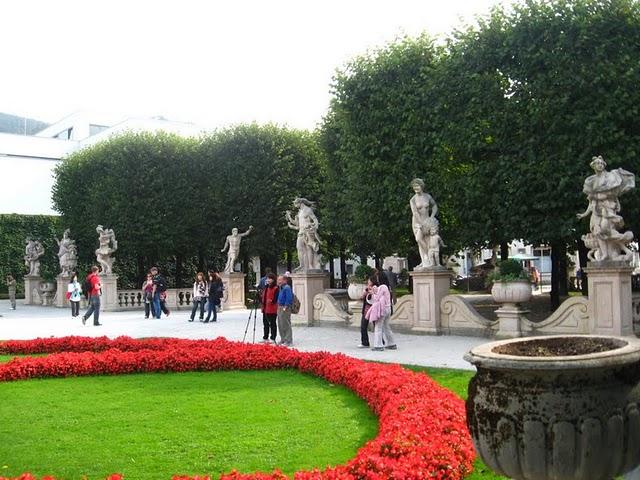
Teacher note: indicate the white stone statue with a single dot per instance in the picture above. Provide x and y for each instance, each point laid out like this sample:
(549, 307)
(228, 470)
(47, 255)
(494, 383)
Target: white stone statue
(308, 243)
(67, 254)
(605, 241)
(33, 251)
(233, 243)
(425, 226)
(108, 245)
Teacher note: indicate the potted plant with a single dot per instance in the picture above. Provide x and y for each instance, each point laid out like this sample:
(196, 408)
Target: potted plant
(358, 281)
(511, 284)
(556, 407)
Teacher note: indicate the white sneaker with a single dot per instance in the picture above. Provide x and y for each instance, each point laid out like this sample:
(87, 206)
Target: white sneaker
(363, 346)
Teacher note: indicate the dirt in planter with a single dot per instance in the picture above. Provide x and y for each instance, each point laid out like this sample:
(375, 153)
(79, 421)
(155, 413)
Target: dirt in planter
(557, 347)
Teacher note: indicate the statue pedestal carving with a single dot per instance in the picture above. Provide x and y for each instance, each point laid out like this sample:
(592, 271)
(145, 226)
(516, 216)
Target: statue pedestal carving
(306, 285)
(61, 291)
(32, 290)
(233, 298)
(109, 298)
(430, 286)
(610, 298)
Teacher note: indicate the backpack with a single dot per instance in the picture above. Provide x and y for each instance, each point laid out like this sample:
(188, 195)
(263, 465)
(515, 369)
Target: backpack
(295, 305)
(161, 283)
(86, 287)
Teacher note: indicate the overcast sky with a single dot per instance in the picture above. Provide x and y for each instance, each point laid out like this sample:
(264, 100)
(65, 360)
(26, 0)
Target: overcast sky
(213, 63)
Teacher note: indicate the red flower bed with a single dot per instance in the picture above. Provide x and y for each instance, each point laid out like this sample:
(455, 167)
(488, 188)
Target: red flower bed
(422, 430)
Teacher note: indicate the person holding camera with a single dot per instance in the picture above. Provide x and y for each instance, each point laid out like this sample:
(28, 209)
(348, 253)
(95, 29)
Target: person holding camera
(269, 300)
(285, 300)
(380, 313)
(11, 285)
(199, 298)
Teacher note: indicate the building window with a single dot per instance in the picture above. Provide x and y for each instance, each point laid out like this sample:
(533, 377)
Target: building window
(65, 134)
(96, 129)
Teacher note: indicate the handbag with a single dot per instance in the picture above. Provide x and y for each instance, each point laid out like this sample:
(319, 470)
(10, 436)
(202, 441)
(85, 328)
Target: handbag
(68, 295)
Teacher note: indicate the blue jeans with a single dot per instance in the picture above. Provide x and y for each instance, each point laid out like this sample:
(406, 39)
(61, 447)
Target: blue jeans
(94, 307)
(156, 305)
(212, 308)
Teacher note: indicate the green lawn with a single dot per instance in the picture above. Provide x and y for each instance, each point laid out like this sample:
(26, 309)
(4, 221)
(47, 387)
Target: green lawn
(151, 425)
(154, 425)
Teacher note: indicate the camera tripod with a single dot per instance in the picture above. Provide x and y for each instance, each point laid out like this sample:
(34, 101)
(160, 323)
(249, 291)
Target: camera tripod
(253, 313)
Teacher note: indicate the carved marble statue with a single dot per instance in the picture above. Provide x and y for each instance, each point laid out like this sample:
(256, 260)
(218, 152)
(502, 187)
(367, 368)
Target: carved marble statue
(425, 226)
(67, 254)
(233, 242)
(308, 243)
(33, 251)
(108, 245)
(605, 241)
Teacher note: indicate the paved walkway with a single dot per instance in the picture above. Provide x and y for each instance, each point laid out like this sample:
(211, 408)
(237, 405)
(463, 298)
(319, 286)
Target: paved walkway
(31, 322)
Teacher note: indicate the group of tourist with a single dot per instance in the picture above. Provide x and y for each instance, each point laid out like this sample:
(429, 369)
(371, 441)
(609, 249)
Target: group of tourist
(207, 292)
(276, 298)
(378, 298)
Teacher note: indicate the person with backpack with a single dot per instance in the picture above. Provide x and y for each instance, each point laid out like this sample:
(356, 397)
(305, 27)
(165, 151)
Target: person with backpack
(199, 297)
(159, 290)
(93, 288)
(215, 294)
(74, 290)
(269, 300)
(285, 302)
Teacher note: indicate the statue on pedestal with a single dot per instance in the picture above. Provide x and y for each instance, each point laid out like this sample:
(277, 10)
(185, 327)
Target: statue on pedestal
(425, 226)
(108, 245)
(605, 241)
(308, 243)
(67, 254)
(233, 242)
(33, 251)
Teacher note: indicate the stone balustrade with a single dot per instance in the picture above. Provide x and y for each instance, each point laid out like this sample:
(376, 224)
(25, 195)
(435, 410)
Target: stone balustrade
(177, 299)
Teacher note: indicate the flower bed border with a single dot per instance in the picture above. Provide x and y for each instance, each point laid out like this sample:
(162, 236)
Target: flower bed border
(422, 432)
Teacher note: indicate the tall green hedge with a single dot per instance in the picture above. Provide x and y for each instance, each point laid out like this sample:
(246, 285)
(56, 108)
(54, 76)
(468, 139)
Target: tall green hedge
(14, 230)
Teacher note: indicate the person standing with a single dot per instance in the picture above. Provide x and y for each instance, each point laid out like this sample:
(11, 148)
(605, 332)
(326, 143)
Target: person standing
(11, 284)
(200, 292)
(215, 294)
(392, 282)
(285, 300)
(147, 295)
(95, 290)
(364, 321)
(74, 290)
(159, 293)
(270, 308)
(380, 313)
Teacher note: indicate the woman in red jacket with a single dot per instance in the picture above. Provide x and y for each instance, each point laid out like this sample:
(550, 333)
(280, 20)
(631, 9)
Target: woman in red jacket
(270, 308)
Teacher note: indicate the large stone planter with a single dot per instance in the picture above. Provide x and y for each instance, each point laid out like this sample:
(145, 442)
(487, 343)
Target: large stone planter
(511, 293)
(510, 315)
(570, 417)
(355, 290)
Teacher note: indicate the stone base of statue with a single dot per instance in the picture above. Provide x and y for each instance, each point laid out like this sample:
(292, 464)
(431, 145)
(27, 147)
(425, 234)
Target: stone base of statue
(109, 298)
(32, 290)
(610, 298)
(306, 285)
(233, 298)
(61, 291)
(430, 286)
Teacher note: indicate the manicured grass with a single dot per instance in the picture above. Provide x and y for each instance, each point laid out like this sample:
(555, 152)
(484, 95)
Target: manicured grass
(6, 358)
(151, 426)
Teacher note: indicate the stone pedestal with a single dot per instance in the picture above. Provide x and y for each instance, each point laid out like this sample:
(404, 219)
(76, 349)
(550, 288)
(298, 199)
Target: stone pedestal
(61, 291)
(430, 286)
(109, 298)
(509, 321)
(610, 298)
(306, 285)
(233, 298)
(32, 290)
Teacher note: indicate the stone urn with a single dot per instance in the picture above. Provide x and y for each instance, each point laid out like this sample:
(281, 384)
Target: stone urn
(557, 407)
(355, 290)
(47, 290)
(511, 293)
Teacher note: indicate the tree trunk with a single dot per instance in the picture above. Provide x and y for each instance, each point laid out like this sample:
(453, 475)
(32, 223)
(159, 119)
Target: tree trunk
(555, 272)
(343, 267)
(141, 274)
(332, 274)
(562, 274)
(289, 261)
(179, 273)
(582, 256)
(504, 251)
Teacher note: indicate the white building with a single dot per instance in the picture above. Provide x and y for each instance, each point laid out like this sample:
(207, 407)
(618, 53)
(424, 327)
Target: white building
(27, 161)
